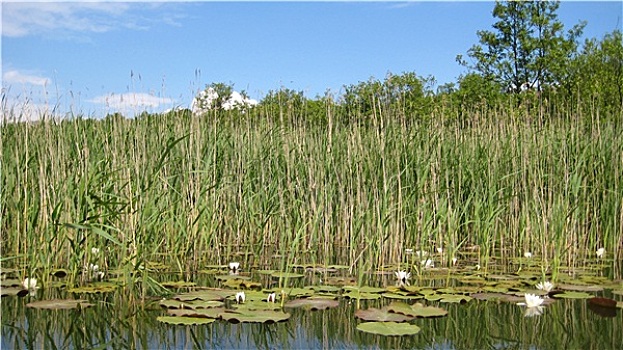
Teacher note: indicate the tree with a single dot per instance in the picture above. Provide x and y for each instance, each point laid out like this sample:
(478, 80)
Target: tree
(527, 48)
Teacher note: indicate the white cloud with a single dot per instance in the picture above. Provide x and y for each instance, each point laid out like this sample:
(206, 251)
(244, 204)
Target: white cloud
(17, 77)
(131, 102)
(61, 19)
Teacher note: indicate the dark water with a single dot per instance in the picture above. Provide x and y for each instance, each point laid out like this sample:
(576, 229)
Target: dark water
(117, 323)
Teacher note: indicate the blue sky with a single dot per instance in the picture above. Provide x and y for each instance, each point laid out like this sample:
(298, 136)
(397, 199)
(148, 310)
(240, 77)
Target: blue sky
(98, 57)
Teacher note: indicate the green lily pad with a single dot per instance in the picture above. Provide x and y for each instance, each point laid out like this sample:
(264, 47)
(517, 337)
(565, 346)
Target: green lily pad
(354, 294)
(257, 316)
(454, 298)
(416, 310)
(178, 284)
(98, 287)
(574, 295)
(579, 288)
(187, 321)
(209, 294)
(59, 304)
(401, 296)
(381, 315)
(202, 313)
(326, 289)
(242, 284)
(283, 274)
(296, 292)
(312, 304)
(231, 277)
(195, 304)
(257, 305)
(365, 289)
(389, 328)
(12, 291)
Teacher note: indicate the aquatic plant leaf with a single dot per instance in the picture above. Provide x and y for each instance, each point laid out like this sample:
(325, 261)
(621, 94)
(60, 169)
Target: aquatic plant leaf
(340, 281)
(178, 284)
(242, 284)
(257, 305)
(574, 295)
(454, 298)
(491, 296)
(195, 304)
(60, 273)
(207, 294)
(187, 321)
(365, 289)
(231, 277)
(59, 304)
(205, 313)
(255, 316)
(296, 292)
(265, 272)
(312, 304)
(325, 289)
(580, 288)
(354, 294)
(389, 328)
(98, 287)
(283, 274)
(416, 310)
(401, 296)
(603, 302)
(11, 291)
(11, 282)
(381, 315)
(617, 291)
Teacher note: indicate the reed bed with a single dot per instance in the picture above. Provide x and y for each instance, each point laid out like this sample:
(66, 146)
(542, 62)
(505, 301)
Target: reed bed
(196, 191)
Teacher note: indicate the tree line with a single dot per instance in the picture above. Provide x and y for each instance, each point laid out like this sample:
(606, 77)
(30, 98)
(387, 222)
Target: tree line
(527, 60)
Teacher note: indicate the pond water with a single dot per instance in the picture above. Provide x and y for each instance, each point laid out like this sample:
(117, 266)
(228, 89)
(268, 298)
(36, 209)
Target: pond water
(118, 320)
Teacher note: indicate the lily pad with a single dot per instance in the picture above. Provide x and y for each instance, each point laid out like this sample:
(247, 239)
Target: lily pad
(401, 296)
(186, 321)
(416, 310)
(258, 316)
(354, 294)
(365, 289)
(389, 328)
(209, 294)
(257, 305)
(178, 284)
(195, 304)
(59, 304)
(202, 313)
(312, 304)
(283, 274)
(296, 292)
(381, 315)
(574, 295)
(242, 284)
(580, 288)
(99, 287)
(60, 273)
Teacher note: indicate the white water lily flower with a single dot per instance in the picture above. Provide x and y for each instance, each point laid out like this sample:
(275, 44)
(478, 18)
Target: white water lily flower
(427, 263)
(29, 283)
(546, 286)
(600, 252)
(234, 266)
(421, 254)
(95, 251)
(271, 297)
(439, 250)
(533, 311)
(94, 268)
(527, 255)
(240, 297)
(409, 251)
(454, 260)
(532, 300)
(403, 276)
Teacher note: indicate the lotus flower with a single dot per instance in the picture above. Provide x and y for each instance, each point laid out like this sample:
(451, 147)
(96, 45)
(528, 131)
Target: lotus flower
(532, 300)
(29, 283)
(403, 276)
(271, 298)
(234, 267)
(600, 252)
(527, 255)
(546, 286)
(240, 297)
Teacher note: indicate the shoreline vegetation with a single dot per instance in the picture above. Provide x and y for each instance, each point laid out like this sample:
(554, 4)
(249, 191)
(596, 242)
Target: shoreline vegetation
(264, 188)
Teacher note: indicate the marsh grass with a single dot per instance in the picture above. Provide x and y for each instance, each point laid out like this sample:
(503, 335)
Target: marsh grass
(276, 190)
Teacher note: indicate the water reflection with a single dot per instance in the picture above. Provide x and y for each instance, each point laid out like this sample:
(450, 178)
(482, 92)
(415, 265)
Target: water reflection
(116, 323)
